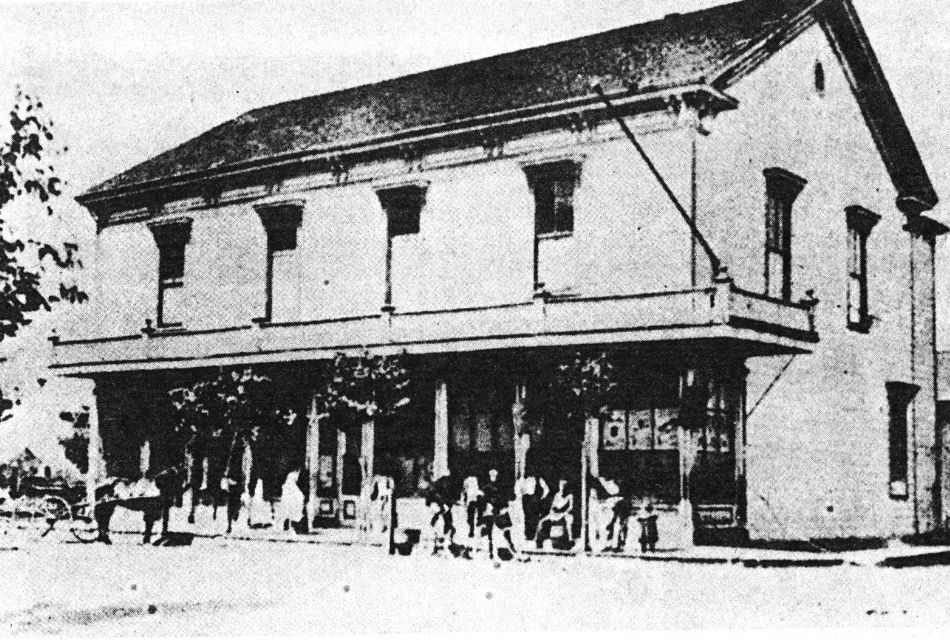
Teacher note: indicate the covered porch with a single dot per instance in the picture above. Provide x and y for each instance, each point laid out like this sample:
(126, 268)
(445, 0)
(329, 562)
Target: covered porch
(672, 435)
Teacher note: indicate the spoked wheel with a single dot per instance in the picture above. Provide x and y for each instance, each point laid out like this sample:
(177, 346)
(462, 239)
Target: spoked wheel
(35, 518)
(54, 509)
(83, 525)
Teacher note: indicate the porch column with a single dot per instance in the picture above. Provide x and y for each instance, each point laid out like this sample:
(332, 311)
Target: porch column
(592, 445)
(440, 459)
(340, 452)
(687, 454)
(693, 398)
(367, 448)
(313, 459)
(520, 428)
(588, 467)
(145, 454)
(96, 464)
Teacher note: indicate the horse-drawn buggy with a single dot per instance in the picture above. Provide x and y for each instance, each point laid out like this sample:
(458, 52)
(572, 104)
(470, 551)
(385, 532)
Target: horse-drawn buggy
(44, 504)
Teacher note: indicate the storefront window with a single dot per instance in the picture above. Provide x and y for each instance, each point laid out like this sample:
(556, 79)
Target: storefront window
(640, 429)
(482, 435)
(639, 448)
(713, 476)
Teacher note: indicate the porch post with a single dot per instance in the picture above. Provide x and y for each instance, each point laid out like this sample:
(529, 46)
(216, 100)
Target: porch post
(145, 454)
(367, 448)
(685, 507)
(592, 442)
(687, 455)
(440, 460)
(340, 453)
(313, 459)
(96, 465)
(519, 426)
(591, 426)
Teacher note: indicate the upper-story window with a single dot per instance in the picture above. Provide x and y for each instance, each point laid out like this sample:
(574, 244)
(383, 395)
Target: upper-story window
(171, 237)
(403, 204)
(553, 184)
(860, 223)
(781, 189)
(282, 220)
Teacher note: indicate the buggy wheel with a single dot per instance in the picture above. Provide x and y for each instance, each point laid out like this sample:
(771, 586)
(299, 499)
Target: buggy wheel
(84, 526)
(54, 509)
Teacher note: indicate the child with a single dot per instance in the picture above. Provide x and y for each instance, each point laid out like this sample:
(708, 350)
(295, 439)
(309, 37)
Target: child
(648, 530)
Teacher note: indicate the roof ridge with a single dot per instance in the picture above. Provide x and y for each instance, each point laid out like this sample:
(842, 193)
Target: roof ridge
(675, 50)
(670, 17)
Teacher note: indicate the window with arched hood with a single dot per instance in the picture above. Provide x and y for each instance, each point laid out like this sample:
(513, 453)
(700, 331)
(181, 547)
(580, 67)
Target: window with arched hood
(860, 223)
(281, 222)
(171, 237)
(782, 188)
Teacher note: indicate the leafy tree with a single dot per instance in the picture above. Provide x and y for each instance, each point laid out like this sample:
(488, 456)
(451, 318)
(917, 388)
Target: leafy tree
(229, 407)
(364, 386)
(6, 405)
(76, 446)
(576, 387)
(26, 263)
(30, 266)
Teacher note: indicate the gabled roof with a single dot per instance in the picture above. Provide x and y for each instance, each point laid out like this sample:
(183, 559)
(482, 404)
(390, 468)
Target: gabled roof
(715, 46)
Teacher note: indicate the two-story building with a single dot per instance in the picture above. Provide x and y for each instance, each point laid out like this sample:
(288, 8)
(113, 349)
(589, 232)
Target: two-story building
(775, 261)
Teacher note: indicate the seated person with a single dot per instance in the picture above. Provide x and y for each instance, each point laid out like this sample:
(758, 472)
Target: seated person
(560, 516)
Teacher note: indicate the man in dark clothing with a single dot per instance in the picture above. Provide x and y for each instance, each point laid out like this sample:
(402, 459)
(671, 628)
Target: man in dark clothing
(497, 515)
(619, 524)
(442, 495)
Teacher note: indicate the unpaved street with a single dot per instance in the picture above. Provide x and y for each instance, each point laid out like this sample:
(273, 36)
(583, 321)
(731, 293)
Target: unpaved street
(229, 587)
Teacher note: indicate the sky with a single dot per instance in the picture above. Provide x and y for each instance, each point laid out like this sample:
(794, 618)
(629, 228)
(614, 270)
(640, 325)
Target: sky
(124, 81)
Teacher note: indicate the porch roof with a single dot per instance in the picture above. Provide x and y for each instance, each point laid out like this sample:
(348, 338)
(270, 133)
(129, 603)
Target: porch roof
(723, 315)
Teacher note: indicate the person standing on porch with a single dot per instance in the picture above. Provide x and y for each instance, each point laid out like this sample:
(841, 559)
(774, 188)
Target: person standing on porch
(618, 526)
(474, 501)
(498, 516)
(532, 490)
(440, 498)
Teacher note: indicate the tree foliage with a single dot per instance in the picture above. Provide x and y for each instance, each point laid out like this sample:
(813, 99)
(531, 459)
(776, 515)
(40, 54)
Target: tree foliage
(578, 386)
(26, 263)
(76, 446)
(228, 406)
(364, 386)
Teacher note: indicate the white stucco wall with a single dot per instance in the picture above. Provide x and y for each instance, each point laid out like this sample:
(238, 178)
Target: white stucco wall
(817, 455)
(817, 444)
(474, 247)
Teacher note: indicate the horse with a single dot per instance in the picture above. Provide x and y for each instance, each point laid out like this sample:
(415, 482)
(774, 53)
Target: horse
(154, 503)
